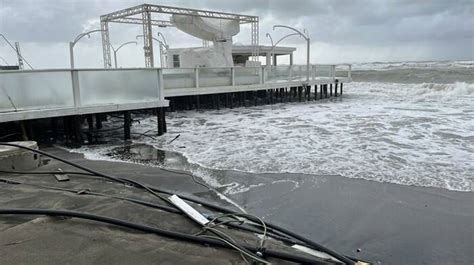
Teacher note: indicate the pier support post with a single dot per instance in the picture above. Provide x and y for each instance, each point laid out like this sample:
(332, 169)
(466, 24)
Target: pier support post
(98, 121)
(90, 125)
(335, 90)
(127, 124)
(330, 90)
(77, 121)
(198, 105)
(341, 87)
(54, 128)
(161, 121)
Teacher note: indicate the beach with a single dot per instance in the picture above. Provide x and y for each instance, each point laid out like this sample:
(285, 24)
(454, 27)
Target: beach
(383, 172)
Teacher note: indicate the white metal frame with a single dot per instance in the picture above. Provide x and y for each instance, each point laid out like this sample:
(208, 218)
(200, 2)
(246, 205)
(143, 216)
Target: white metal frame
(145, 10)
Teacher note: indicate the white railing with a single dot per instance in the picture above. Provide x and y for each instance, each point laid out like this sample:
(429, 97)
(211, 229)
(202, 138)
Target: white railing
(237, 76)
(82, 88)
(56, 89)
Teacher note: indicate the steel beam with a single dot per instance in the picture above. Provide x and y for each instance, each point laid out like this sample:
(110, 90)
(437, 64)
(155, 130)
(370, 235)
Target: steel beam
(178, 11)
(131, 20)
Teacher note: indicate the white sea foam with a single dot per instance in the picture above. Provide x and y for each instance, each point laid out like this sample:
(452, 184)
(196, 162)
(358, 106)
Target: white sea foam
(413, 134)
(381, 66)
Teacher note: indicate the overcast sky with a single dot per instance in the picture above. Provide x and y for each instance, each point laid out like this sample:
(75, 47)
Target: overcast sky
(340, 30)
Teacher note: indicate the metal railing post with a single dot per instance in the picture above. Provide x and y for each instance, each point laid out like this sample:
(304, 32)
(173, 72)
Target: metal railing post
(232, 76)
(291, 73)
(196, 76)
(349, 73)
(76, 91)
(161, 85)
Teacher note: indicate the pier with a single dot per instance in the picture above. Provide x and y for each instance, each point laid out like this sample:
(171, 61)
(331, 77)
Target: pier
(72, 97)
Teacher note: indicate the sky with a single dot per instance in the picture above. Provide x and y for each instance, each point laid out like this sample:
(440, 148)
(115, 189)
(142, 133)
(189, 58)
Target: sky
(341, 31)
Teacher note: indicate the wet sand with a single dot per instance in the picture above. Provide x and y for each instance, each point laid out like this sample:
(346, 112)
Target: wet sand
(388, 223)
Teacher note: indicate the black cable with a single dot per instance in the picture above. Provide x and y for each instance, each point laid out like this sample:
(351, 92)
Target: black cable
(151, 189)
(89, 192)
(48, 173)
(154, 230)
(143, 203)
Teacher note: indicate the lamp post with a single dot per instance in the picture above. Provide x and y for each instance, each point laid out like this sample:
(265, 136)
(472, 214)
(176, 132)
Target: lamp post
(271, 51)
(161, 45)
(17, 51)
(71, 44)
(282, 38)
(306, 37)
(164, 40)
(116, 50)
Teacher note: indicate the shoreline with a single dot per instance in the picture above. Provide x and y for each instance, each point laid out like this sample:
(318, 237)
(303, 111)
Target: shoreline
(179, 161)
(389, 223)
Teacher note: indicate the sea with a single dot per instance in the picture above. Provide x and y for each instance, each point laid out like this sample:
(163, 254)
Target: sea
(408, 123)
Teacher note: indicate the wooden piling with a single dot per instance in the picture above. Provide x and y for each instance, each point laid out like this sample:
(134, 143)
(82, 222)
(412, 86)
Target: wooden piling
(335, 89)
(341, 88)
(330, 90)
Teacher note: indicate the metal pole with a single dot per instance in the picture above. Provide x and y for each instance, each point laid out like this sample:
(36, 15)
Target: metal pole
(115, 58)
(274, 45)
(116, 50)
(307, 58)
(71, 54)
(161, 54)
(306, 37)
(71, 44)
(271, 51)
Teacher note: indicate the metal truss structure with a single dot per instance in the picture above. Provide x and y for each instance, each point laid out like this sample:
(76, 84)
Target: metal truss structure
(128, 16)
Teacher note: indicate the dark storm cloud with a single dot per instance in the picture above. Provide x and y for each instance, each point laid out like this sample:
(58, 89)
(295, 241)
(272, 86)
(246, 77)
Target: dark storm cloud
(337, 22)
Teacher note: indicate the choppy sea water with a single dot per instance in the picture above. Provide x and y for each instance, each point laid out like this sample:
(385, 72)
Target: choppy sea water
(402, 123)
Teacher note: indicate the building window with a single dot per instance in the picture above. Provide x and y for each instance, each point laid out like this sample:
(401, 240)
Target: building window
(175, 60)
